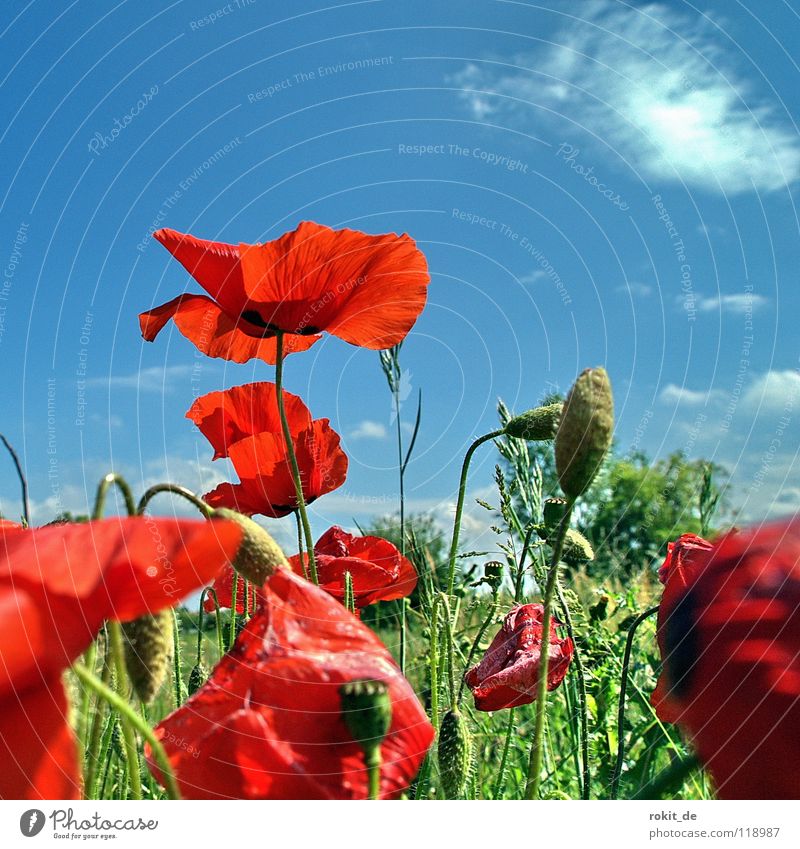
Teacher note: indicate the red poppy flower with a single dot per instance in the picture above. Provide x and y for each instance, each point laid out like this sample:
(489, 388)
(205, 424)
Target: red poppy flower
(367, 290)
(508, 674)
(379, 571)
(685, 558)
(268, 723)
(58, 584)
(243, 424)
(732, 660)
(223, 586)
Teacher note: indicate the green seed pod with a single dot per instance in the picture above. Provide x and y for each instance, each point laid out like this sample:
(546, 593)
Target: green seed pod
(577, 549)
(148, 652)
(258, 555)
(538, 424)
(454, 754)
(197, 677)
(553, 511)
(367, 712)
(584, 434)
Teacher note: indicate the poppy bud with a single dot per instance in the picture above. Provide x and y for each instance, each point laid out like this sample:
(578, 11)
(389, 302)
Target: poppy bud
(197, 677)
(584, 434)
(577, 548)
(367, 712)
(258, 555)
(455, 754)
(538, 424)
(553, 511)
(148, 650)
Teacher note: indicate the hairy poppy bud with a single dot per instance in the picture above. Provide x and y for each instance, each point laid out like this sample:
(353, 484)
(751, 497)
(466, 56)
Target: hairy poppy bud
(553, 512)
(584, 434)
(455, 754)
(577, 548)
(148, 650)
(367, 712)
(537, 424)
(197, 677)
(258, 555)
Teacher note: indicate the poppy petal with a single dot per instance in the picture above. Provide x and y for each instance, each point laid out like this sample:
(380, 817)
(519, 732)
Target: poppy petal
(38, 750)
(367, 290)
(215, 334)
(228, 417)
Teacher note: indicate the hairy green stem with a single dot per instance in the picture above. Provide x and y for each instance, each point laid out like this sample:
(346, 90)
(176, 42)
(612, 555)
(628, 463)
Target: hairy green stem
(475, 643)
(131, 719)
(176, 658)
(295, 468)
(102, 492)
(234, 603)
(586, 780)
(501, 772)
(175, 489)
(128, 736)
(537, 748)
(623, 691)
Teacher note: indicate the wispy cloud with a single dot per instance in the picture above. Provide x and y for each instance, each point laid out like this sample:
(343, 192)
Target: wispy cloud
(635, 289)
(674, 394)
(152, 379)
(653, 83)
(737, 303)
(369, 430)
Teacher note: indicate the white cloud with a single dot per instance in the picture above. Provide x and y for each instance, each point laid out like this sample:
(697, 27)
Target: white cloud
(533, 276)
(773, 391)
(152, 379)
(369, 430)
(739, 303)
(635, 288)
(656, 86)
(674, 394)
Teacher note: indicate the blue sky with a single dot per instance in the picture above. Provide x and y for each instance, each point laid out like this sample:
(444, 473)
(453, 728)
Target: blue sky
(592, 183)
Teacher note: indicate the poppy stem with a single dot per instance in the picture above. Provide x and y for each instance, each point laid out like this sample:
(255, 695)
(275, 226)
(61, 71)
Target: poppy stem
(175, 489)
(501, 772)
(623, 691)
(220, 642)
(462, 490)
(234, 605)
(537, 747)
(93, 747)
(373, 764)
(287, 437)
(131, 719)
(176, 658)
(23, 481)
(582, 701)
(433, 655)
(103, 487)
(475, 643)
(122, 706)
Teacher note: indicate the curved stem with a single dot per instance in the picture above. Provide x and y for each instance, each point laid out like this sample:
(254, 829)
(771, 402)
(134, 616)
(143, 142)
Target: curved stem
(131, 718)
(537, 748)
(462, 491)
(128, 736)
(623, 690)
(175, 489)
(23, 482)
(433, 652)
(287, 437)
(103, 487)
